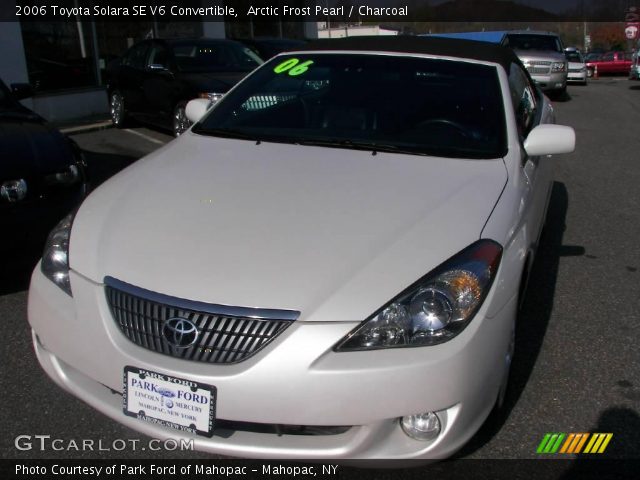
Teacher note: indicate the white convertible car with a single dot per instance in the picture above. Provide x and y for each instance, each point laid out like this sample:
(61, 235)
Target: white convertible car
(327, 265)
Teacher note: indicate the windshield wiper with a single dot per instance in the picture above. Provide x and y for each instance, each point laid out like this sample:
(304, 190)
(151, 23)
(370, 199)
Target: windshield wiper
(373, 147)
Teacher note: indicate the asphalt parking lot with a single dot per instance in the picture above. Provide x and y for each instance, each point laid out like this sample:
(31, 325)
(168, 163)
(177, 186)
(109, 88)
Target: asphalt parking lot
(576, 367)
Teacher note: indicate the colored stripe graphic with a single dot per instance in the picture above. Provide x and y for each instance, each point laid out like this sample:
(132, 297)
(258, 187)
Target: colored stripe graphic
(598, 442)
(583, 439)
(556, 446)
(543, 443)
(574, 442)
(567, 444)
(550, 443)
(608, 438)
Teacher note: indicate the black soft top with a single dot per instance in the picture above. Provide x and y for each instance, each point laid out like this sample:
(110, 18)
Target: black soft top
(449, 47)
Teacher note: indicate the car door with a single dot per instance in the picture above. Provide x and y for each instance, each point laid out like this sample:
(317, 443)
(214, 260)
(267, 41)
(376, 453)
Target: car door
(616, 62)
(622, 62)
(159, 85)
(131, 76)
(607, 63)
(537, 171)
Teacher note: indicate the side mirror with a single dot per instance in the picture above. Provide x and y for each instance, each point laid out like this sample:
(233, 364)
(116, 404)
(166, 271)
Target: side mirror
(196, 109)
(158, 68)
(21, 90)
(550, 139)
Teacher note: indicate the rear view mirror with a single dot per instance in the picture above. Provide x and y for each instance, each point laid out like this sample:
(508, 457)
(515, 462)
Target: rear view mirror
(550, 139)
(196, 109)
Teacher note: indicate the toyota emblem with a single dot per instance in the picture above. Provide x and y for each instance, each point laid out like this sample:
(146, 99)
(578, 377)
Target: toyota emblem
(180, 332)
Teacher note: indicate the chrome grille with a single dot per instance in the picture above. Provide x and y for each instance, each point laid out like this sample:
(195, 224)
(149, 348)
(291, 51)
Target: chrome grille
(538, 68)
(222, 338)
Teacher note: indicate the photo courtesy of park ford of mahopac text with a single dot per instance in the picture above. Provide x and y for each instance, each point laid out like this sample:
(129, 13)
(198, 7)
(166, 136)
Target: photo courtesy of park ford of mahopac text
(108, 377)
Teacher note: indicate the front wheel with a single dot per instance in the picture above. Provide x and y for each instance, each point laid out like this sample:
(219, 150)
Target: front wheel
(117, 109)
(180, 121)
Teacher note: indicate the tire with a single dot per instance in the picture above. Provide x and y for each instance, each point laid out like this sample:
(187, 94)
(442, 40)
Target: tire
(589, 72)
(180, 122)
(117, 110)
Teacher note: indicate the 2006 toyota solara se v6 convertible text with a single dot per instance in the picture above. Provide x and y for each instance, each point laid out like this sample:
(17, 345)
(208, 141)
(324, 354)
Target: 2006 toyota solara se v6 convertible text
(327, 265)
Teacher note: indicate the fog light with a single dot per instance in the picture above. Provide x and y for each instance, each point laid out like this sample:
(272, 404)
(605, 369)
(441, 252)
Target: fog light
(422, 426)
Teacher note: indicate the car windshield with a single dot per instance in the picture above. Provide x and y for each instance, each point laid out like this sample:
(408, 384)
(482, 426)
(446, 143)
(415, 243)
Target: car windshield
(372, 102)
(200, 57)
(574, 57)
(534, 42)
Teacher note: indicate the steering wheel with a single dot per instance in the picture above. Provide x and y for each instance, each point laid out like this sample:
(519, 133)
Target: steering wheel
(459, 127)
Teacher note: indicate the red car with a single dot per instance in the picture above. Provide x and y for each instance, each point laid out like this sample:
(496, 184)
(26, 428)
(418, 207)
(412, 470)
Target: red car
(610, 63)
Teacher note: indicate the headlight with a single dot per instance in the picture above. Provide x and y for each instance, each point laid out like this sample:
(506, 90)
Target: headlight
(55, 259)
(434, 309)
(558, 67)
(213, 97)
(13, 190)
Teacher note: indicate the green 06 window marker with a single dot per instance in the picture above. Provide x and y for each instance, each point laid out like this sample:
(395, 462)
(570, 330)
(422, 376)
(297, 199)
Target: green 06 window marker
(293, 67)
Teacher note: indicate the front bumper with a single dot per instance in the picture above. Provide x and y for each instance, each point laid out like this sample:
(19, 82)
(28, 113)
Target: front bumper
(296, 380)
(580, 77)
(551, 81)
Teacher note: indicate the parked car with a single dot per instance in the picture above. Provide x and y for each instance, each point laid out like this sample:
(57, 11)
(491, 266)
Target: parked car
(577, 67)
(153, 81)
(542, 53)
(634, 70)
(327, 265)
(591, 56)
(42, 173)
(266, 48)
(610, 63)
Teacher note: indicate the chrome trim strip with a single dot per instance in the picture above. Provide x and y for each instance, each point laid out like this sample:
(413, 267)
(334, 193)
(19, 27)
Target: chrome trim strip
(212, 308)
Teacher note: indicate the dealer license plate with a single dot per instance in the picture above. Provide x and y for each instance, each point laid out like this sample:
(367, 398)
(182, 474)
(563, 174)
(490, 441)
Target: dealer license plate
(169, 401)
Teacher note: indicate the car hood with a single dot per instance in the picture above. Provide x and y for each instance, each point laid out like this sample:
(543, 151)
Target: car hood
(540, 55)
(332, 233)
(30, 146)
